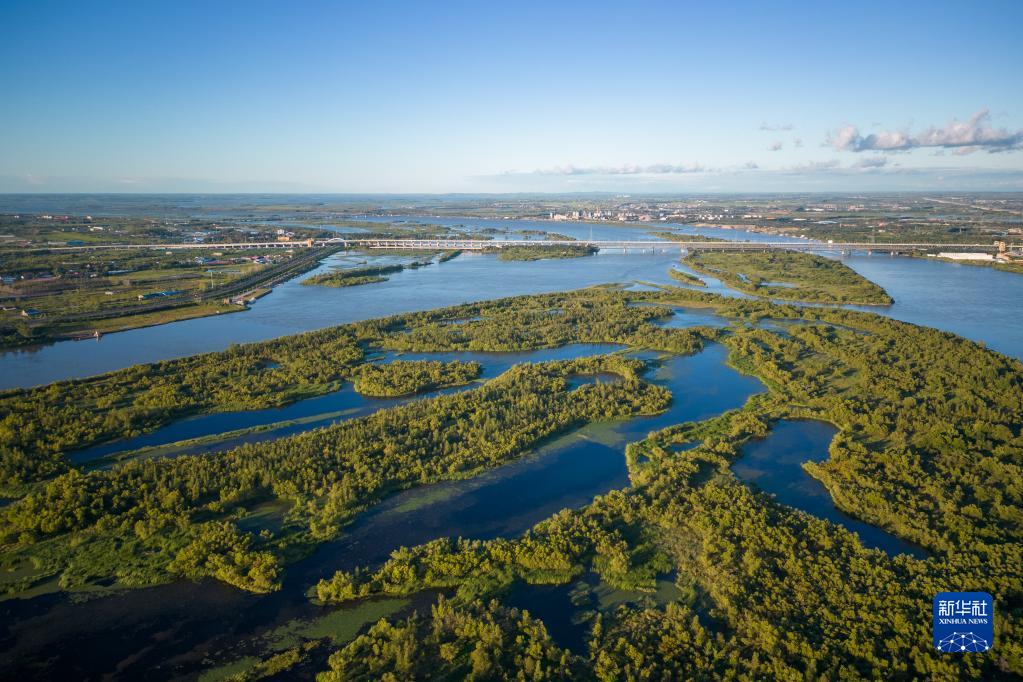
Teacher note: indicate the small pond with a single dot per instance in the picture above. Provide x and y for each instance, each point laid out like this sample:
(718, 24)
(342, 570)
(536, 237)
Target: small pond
(775, 465)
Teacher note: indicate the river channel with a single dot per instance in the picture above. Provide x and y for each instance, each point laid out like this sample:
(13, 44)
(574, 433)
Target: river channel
(955, 298)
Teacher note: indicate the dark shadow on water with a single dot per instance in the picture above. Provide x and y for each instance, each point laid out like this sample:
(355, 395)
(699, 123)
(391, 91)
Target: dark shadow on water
(553, 605)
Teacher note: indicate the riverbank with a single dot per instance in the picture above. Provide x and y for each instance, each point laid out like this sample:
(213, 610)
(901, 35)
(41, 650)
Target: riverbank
(160, 307)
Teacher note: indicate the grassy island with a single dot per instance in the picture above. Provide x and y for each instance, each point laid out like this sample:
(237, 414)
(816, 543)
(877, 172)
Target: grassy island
(685, 277)
(541, 252)
(746, 566)
(353, 276)
(789, 276)
(350, 277)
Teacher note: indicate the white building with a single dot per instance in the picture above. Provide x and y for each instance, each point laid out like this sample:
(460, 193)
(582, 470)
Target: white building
(965, 255)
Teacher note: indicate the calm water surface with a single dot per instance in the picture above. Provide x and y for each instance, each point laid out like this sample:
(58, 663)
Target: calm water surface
(978, 303)
(323, 410)
(175, 631)
(293, 308)
(775, 465)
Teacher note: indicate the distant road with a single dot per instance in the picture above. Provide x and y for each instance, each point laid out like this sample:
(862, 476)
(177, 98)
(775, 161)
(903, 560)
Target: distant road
(481, 244)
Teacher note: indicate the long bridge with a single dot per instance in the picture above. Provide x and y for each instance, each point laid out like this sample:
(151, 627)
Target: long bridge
(653, 245)
(468, 244)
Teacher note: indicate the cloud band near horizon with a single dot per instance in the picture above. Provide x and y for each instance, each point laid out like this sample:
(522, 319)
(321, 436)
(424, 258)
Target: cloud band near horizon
(964, 137)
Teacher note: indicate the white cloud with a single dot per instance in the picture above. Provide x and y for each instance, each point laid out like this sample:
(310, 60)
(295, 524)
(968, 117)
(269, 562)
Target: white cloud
(625, 169)
(813, 166)
(844, 138)
(776, 127)
(871, 162)
(965, 137)
(775, 146)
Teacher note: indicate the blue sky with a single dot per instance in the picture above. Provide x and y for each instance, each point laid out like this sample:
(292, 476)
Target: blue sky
(502, 97)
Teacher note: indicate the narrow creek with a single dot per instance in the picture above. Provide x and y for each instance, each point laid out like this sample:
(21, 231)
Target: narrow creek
(310, 413)
(775, 465)
(177, 630)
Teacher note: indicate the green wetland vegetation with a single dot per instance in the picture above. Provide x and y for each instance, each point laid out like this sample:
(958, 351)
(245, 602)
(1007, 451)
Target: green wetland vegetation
(931, 456)
(336, 280)
(405, 377)
(789, 276)
(929, 448)
(685, 277)
(540, 252)
(350, 277)
(148, 520)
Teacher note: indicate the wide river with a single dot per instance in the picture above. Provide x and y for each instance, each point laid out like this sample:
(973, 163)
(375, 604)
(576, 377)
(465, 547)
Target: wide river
(978, 303)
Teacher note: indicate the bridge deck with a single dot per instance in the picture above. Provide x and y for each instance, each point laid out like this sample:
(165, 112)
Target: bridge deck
(651, 244)
(482, 244)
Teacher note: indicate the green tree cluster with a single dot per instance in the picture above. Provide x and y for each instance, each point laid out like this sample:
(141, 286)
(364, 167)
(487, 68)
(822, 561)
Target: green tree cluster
(405, 377)
(789, 275)
(540, 251)
(481, 641)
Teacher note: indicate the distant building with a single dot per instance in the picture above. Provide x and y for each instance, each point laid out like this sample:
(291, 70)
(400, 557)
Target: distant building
(965, 255)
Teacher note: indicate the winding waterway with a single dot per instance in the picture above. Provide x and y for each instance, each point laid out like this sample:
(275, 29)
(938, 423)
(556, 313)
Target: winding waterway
(176, 630)
(310, 413)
